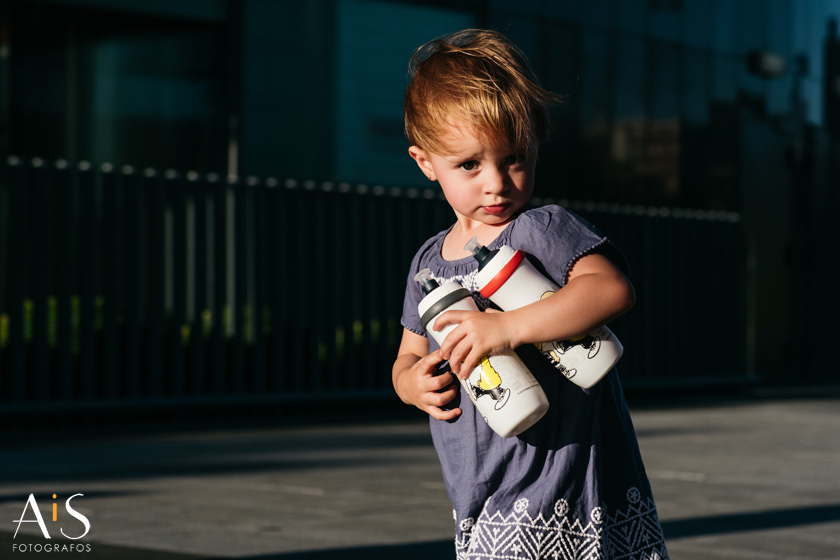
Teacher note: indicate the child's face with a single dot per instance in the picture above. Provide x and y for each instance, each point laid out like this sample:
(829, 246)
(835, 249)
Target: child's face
(483, 181)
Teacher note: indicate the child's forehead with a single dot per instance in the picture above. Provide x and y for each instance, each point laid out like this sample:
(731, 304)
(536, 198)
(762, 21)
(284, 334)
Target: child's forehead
(459, 134)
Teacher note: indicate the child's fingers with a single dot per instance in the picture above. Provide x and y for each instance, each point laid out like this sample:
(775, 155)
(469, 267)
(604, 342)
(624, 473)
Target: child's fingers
(444, 319)
(469, 363)
(451, 317)
(443, 391)
(462, 353)
(440, 382)
(450, 343)
(444, 414)
(429, 362)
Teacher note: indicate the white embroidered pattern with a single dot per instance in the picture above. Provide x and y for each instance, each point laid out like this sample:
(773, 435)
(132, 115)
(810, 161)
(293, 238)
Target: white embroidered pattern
(634, 534)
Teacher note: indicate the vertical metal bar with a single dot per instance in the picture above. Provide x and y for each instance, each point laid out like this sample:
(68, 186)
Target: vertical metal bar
(156, 368)
(323, 339)
(110, 281)
(66, 284)
(88, 252)
(177, 335)
(368, 256)
(379, 265)
(242, 375)
(396, 249)
(198, 341)
(669, 296)
(337, 323)
(279, 286)
(259, 266)
(40, 258)
(750, 302)
(17, 265)
(132, 296)
(299, 323)
(354, 312)
(4, 267)
(219, 336)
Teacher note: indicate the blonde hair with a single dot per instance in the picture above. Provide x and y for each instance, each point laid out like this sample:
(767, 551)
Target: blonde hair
(476, 76)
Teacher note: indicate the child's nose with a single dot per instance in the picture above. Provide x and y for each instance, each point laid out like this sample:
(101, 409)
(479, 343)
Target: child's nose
(496, 181)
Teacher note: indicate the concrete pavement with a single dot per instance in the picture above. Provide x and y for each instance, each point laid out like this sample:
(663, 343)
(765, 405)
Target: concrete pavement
(757, 478)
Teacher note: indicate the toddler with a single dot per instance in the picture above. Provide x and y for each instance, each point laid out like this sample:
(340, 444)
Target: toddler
(574, 484)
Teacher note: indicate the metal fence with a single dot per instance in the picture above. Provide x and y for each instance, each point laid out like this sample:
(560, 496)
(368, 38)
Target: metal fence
(126, 287)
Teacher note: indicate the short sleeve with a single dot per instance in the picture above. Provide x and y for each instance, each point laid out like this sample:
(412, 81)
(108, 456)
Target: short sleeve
(556, 238)
(413, 294)
(410, 318)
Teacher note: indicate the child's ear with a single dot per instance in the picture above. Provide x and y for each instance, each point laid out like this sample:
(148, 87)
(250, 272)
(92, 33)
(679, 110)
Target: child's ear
(422, 159)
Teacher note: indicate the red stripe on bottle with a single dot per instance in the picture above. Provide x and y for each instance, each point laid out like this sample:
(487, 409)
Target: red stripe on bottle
(503, 275)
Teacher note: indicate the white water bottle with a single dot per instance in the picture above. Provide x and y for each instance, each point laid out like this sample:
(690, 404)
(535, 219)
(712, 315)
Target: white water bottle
(509, 280)
(502, 388)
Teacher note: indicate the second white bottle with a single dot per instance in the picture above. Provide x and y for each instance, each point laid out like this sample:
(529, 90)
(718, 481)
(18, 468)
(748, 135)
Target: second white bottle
(506, 278)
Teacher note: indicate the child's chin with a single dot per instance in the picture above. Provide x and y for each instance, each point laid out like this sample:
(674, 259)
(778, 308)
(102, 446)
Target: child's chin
(496, 220)
(498, 215)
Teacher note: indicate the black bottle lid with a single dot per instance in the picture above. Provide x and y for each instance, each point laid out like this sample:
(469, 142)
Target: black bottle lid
(427, 283)
(481, 253)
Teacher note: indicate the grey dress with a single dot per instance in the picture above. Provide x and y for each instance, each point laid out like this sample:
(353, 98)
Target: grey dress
(573, 486)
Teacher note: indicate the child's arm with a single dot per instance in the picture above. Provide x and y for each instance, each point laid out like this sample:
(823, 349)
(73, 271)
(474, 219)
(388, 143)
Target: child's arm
(596, 293)
(415, 380)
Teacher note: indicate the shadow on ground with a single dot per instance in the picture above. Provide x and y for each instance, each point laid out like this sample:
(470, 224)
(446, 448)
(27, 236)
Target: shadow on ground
(415, 551)
(750, 521)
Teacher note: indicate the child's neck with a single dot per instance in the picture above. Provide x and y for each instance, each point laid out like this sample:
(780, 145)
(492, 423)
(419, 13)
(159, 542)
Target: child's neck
(460, 234)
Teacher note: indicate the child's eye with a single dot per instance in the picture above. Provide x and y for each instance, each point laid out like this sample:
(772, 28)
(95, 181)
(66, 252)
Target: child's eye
(513, 159)
(469, 165)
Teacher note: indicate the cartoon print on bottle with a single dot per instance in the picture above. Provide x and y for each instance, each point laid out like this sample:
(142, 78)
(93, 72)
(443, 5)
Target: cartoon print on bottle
(491, 384)
(553, 351)
(589, 341)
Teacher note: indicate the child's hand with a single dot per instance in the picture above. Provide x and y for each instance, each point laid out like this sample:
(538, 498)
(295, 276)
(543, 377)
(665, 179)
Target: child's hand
(477, 335)
(420, 385)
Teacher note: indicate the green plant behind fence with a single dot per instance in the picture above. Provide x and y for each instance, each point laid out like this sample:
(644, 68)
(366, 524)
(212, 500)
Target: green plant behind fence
(205, 328)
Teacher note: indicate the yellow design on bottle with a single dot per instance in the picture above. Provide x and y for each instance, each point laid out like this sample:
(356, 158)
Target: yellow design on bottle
(490, 378)
(490, 383)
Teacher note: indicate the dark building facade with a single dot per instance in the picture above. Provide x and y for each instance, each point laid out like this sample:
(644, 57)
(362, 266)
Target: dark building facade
(717, 105)
(313, 89)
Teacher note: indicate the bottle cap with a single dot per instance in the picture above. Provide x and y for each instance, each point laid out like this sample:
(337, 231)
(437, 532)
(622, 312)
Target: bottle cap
(424, 278)
(481, 253)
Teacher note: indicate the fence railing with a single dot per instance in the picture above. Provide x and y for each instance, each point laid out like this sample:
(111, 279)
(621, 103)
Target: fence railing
(123, 287)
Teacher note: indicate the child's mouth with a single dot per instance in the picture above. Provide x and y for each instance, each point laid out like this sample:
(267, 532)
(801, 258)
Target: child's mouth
(495, 209)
